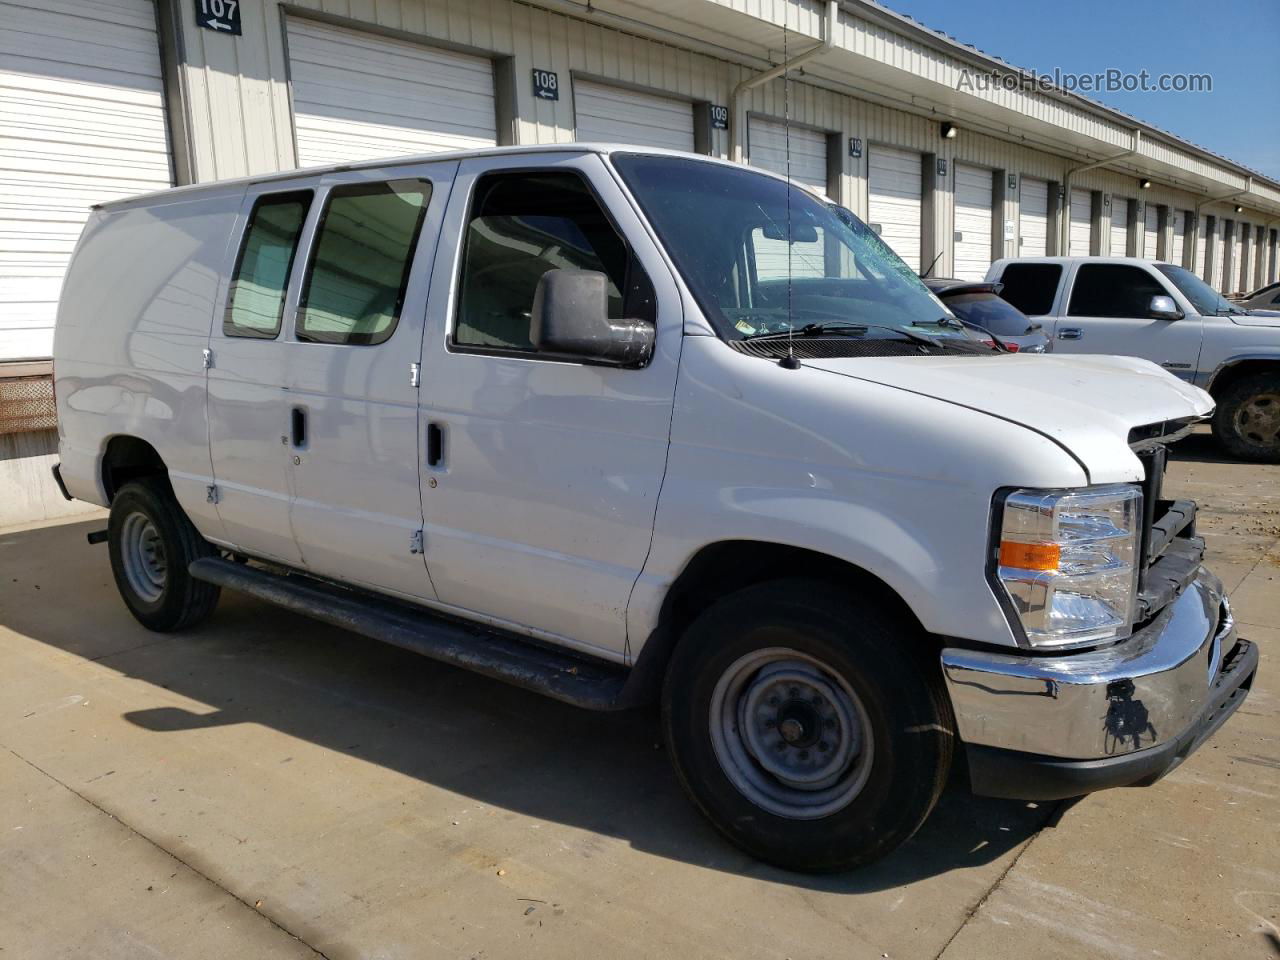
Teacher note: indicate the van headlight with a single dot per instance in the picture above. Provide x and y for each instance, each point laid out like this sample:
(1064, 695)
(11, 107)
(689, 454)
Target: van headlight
(1068, 562)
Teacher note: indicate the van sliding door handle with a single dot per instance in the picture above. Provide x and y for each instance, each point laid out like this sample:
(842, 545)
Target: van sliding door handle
(1070, 333)
(299, 422)
(434, 438)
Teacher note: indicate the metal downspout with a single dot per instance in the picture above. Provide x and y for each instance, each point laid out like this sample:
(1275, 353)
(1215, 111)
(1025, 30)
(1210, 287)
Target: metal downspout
(737, 114)
(1064, 225)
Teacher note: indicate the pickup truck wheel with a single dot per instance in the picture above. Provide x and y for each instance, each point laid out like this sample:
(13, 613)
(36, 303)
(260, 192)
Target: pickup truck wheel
(151, 543)
(1247, 421)
(806, 725)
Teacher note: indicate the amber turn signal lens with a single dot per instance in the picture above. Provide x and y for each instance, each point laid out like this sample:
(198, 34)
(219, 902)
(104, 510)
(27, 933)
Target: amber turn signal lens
(1030, 556)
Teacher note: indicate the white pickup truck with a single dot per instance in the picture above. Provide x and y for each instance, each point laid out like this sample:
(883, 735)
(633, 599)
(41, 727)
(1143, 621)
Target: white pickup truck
(1166, 314)
(624, 426)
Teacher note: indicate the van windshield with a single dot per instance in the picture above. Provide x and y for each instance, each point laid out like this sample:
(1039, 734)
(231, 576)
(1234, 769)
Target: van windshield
(726, 229)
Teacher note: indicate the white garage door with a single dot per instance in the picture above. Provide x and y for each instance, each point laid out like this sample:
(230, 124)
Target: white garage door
(1220, 257)
(1081, 223)
(1033, 218)
(1150, 231)
(973, 222)
(1178, 246)
(894, 195)
(1202, 246)
(605, 114)
(357, 96)
(81, 121)
(767, 149)
(1119, 227)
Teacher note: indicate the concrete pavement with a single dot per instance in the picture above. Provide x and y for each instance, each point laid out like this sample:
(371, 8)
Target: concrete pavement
(268, 787)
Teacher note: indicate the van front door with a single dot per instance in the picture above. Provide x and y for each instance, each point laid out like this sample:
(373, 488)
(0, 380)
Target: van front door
(352, 376)
(541, 476)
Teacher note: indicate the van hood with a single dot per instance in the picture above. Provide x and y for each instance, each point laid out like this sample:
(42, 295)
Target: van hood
(1087, 404)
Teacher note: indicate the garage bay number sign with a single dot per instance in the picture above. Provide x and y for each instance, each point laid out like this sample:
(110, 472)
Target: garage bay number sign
(222, 16)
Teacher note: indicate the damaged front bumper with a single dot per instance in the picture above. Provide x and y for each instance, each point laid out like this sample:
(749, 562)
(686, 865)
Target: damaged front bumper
(1061, 725)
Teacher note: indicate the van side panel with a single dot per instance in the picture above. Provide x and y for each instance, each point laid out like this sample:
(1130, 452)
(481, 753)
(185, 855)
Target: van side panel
(133, 322)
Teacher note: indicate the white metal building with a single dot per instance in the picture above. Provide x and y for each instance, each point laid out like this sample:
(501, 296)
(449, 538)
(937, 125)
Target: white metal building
(104, 98)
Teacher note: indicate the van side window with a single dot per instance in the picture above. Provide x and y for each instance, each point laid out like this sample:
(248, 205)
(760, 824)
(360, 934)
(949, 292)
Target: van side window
(1113, 290)
(1031, 286)
(255, 302)
(520, 226)
(359, 268)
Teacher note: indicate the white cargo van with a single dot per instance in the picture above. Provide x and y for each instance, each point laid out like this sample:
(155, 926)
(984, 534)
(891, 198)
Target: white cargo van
(622, 426)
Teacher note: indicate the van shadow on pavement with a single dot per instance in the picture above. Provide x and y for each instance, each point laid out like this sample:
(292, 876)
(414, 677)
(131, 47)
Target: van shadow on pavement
(501, 746)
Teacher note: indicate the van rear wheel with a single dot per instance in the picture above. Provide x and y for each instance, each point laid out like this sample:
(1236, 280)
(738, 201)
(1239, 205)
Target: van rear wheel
(151, 543)
(1247, 421)
(809, 727)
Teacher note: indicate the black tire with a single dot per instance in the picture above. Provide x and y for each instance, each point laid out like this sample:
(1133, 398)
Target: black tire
(174, 600)
(1247, 421)
(874, 655)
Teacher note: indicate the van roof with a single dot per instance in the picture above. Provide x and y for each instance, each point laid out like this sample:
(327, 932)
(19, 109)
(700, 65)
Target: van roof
(296, 173)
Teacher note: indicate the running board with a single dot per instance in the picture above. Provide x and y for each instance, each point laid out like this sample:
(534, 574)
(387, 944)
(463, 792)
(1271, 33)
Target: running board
(581, 681)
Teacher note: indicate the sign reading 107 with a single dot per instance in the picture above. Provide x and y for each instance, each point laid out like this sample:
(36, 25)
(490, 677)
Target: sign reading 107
(221, 16)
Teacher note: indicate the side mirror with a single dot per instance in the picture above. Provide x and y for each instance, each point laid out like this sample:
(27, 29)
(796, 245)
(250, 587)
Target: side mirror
(571, 317)
(1163, 308)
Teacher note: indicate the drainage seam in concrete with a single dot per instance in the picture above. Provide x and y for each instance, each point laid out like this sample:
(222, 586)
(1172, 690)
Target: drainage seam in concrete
(168, 853)
(994, 886)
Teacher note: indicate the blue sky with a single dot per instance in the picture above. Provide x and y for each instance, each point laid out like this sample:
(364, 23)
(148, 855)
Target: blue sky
(1236, 41)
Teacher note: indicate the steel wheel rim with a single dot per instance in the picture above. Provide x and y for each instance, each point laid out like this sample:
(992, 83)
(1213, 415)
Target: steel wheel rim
(790, 734)
(142, 555)
(1258, 419)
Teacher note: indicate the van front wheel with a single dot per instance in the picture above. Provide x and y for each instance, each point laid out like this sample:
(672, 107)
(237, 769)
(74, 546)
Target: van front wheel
(151, 543)
(807, 726)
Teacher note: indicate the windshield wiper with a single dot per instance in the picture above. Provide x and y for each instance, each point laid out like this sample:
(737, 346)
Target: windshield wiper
(843, 326)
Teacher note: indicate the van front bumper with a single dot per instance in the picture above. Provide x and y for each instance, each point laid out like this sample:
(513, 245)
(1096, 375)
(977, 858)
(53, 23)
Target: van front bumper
(1061, 725)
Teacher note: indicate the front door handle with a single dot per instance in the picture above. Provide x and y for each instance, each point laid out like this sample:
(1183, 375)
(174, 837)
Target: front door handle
(298, 420)
(435, 444)
(1070, 333)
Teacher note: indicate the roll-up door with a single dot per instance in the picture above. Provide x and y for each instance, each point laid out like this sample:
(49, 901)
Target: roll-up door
(359, 96)
(1178, 245)
(767, 148)
(1119, 227)
(894, 200)
(1202, 246)
(1150, 230)
(608, 114)
(973, 192)
(1220, 257)
(1033, 218)
(81, 122)
(1081, 223)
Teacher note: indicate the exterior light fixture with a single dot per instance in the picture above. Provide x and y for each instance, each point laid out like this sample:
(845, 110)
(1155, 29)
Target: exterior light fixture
(1239, 209)
(1145, 184)
(948, 131)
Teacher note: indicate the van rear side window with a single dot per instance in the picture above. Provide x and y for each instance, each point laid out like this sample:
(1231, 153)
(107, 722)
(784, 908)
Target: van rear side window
(359, 269)
(255, 303)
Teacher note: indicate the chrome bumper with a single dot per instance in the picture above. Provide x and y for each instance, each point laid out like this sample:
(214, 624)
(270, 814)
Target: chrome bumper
(1133, 709)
